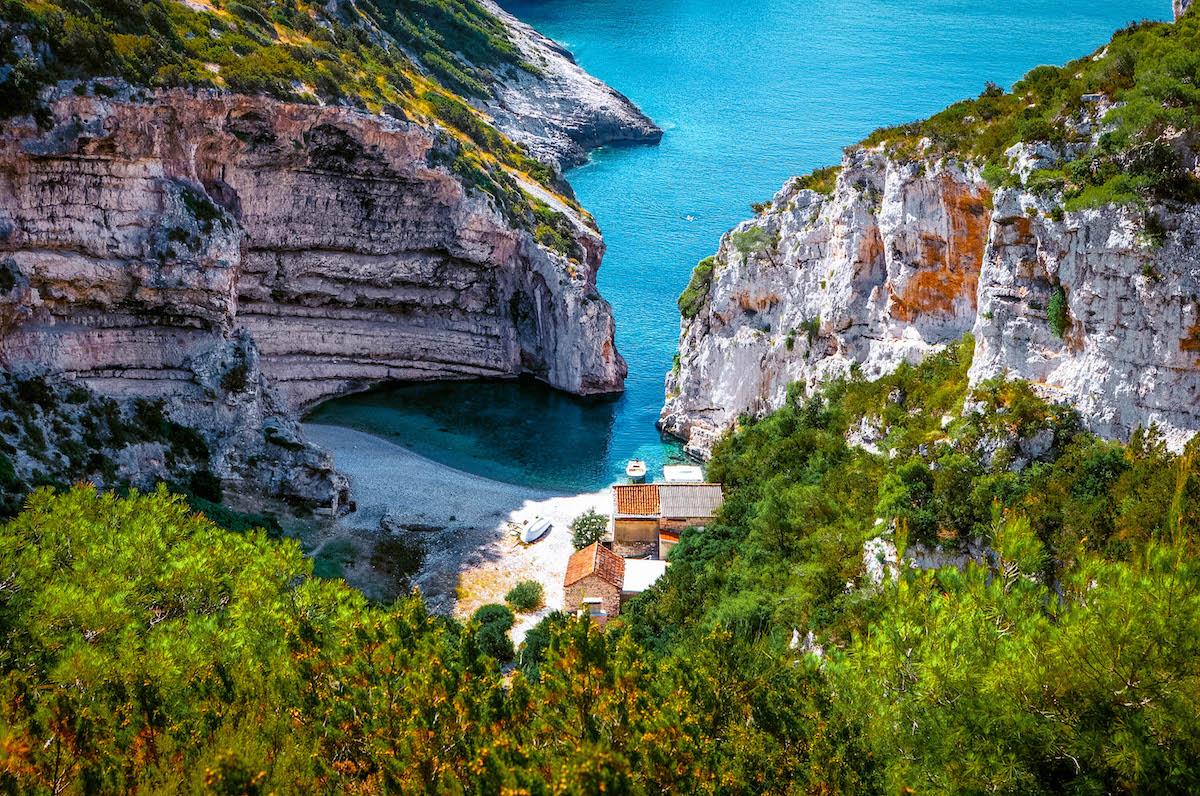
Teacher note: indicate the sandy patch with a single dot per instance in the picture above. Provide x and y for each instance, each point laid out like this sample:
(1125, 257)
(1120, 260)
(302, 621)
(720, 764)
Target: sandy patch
(472, 557)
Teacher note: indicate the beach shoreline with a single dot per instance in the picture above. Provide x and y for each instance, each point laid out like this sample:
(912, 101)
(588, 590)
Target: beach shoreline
(461, 519)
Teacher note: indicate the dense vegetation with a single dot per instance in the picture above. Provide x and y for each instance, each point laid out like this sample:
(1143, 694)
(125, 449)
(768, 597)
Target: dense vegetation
(291, 50)
(142, 646)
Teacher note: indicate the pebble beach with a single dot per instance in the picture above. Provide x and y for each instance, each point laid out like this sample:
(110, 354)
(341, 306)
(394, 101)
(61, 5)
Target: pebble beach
(463, 520)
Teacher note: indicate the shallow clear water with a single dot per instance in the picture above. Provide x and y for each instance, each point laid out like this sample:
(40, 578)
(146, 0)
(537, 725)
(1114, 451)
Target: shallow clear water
(750, 92)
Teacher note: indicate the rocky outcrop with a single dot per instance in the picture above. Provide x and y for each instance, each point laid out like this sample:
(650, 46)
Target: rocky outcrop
(1181, 7)
(146, 237)
(559, 111)
(906, 256)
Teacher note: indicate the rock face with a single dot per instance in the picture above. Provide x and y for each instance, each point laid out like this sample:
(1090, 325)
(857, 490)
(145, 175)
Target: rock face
(905, 257)
(145, 240)
(560, 112)
(1181, 7)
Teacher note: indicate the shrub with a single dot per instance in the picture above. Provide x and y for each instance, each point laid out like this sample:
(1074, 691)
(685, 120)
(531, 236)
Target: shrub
(525, 596)
(205, 484)
(754, 240)
(494, 614)
(8, 275)
(493, 621)
(823, 180)
(494, 641)
(537, 643)
(907, 494)
(235, 379)
(37, 390)
(695, 295)
(1057, 312)
(588, 528)
(812, 328)
(11, 488)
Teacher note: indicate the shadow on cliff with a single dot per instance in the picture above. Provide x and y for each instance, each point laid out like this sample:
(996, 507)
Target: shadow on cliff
(517, 431)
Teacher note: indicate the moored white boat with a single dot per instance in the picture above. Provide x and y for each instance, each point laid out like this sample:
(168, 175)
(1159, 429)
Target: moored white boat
(534, 529)
(636, 470)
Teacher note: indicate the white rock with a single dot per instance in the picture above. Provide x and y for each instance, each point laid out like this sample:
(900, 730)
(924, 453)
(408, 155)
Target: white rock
(905, 257)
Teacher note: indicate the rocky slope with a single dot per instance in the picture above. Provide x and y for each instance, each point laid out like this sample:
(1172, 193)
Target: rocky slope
(228, 258)
(155, 244)
(1099, 307)
(560, 111)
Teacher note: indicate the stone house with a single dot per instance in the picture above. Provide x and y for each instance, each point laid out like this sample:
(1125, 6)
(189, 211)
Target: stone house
(594, 580)
(635, 514)
(653, 515)
(688, 505)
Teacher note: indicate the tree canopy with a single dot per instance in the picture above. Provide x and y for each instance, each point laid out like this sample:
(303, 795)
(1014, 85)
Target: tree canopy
(142, 646)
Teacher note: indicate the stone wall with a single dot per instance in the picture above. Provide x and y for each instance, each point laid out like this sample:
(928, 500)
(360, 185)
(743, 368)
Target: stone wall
(635, 530)
(589, 588)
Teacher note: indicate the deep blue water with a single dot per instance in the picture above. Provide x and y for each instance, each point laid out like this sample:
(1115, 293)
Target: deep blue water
(750, 92)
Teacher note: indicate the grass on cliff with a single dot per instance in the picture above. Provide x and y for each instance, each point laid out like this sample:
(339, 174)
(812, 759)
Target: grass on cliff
(290, 50)
(409, 58)
(823, 180)
(1150, 69)
(695, 295)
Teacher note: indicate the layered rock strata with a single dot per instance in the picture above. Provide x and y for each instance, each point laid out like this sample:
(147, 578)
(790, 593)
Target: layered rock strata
(905, 256)
(144, 237)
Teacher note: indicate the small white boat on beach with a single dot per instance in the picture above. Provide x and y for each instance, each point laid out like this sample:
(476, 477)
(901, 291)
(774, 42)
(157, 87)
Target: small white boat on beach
(636, 470)
(534, 529)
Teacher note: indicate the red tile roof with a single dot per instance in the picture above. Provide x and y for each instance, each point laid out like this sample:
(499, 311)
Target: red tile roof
(595, 559)
(638, 500)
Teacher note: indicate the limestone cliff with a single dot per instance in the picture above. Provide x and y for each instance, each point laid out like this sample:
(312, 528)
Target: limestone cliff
(908, 254)
(557, 109)
(155, 243)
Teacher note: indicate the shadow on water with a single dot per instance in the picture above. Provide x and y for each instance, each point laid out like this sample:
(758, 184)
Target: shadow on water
(518, 431)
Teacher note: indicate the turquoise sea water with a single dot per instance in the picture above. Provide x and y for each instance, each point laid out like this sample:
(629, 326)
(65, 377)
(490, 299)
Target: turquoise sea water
(750, 92)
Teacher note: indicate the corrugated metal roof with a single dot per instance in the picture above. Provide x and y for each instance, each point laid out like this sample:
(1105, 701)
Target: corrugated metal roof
(690, 500)
(636, 500)
(595, 559)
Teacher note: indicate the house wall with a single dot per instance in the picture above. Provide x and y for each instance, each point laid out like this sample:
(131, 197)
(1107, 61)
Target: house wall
(636, 549)
(589, 587)
(635, 530)
(665, 546)
(678, 524)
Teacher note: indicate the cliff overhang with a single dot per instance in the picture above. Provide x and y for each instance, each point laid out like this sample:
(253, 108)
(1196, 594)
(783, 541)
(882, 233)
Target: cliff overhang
(146, 236)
